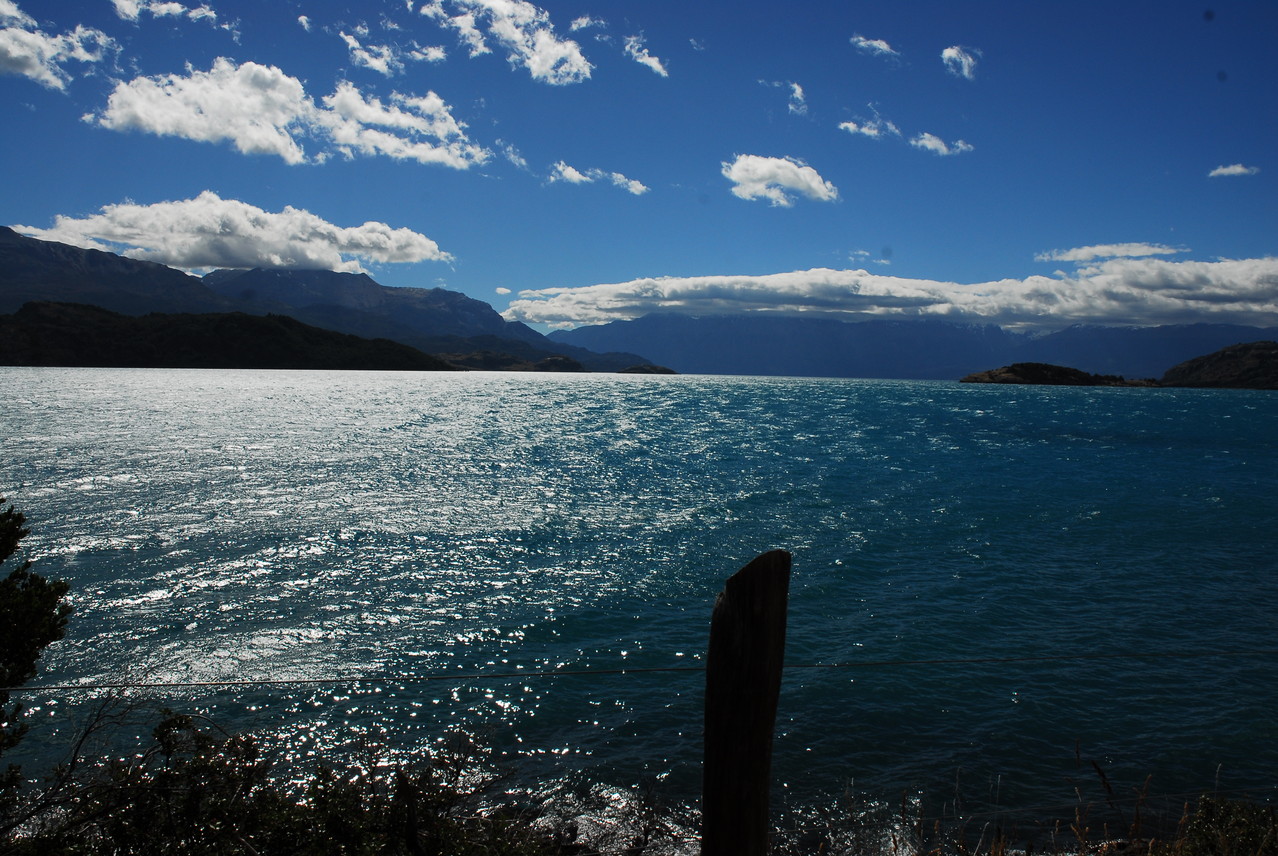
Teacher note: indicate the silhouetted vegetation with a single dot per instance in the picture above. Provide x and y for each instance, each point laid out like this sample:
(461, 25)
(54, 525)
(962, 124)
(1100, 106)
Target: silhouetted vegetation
(33, 614)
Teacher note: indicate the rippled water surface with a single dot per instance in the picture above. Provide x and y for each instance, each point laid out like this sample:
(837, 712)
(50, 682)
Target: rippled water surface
(394, 527)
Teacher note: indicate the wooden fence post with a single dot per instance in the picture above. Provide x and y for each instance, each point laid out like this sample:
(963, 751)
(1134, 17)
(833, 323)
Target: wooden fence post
(743, 680)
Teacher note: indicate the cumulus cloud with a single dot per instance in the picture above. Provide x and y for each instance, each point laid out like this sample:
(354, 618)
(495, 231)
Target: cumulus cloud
(935, 145)
(1143, 291)
(131, 10)
(211, 232)
(28, 51)
(563, 172)
(1108, 251)
(305, 22)
(635, 50)
(261, 110)
(519, 27)
(1233, 169)
(418, 128)
(586, 22)
(775, 179)
(960, 61)
(873, 47)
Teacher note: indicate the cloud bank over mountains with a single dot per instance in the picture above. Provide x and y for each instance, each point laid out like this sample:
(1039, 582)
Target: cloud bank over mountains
(211, 232)
(1116, 290)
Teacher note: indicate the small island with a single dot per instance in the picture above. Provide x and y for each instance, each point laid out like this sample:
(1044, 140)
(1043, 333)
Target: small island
(1252, 365)
(1046, 374)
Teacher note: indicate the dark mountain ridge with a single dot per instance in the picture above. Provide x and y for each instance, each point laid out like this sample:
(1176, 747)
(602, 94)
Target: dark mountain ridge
(33, 270)
(73, 334)
(1249, 365)
(431, 320)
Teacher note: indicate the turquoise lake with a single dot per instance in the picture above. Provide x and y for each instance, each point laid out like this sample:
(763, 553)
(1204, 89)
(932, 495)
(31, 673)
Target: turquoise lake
(1107, 557)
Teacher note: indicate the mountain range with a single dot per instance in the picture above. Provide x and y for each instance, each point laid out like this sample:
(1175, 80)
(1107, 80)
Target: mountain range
(924, 349)
(470, 333)
(435, 321)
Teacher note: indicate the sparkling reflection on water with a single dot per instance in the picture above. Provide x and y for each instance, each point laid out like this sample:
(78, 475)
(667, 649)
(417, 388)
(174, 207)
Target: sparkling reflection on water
(397, 527)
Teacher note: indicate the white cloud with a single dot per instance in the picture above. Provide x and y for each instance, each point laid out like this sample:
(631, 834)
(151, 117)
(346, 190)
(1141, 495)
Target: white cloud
(261, 110)
(524, 30)
(757, 177)
(211, 232)
(28, 51)
(636, 51)
(630, 185)
(1119, 291)
(382, 59)
(873, 47)
(11, 15)
(258, 108)
(1108, 251)
(1233, 169)
(879, 128)
(430, 53)
(512, 154)
(862, 256)
(131, 10)
(305, 22)
(501, 289)
(563, 172)
(960, 61)
(586, 22)
(934, 144)
(798, 99)
(419, 128)
(872, 128)
(389, 60)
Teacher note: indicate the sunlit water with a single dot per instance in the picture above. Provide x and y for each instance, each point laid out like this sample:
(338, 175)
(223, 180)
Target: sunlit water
(393, 527)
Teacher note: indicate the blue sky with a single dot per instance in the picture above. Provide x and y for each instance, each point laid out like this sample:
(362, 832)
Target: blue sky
(1028, 164)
